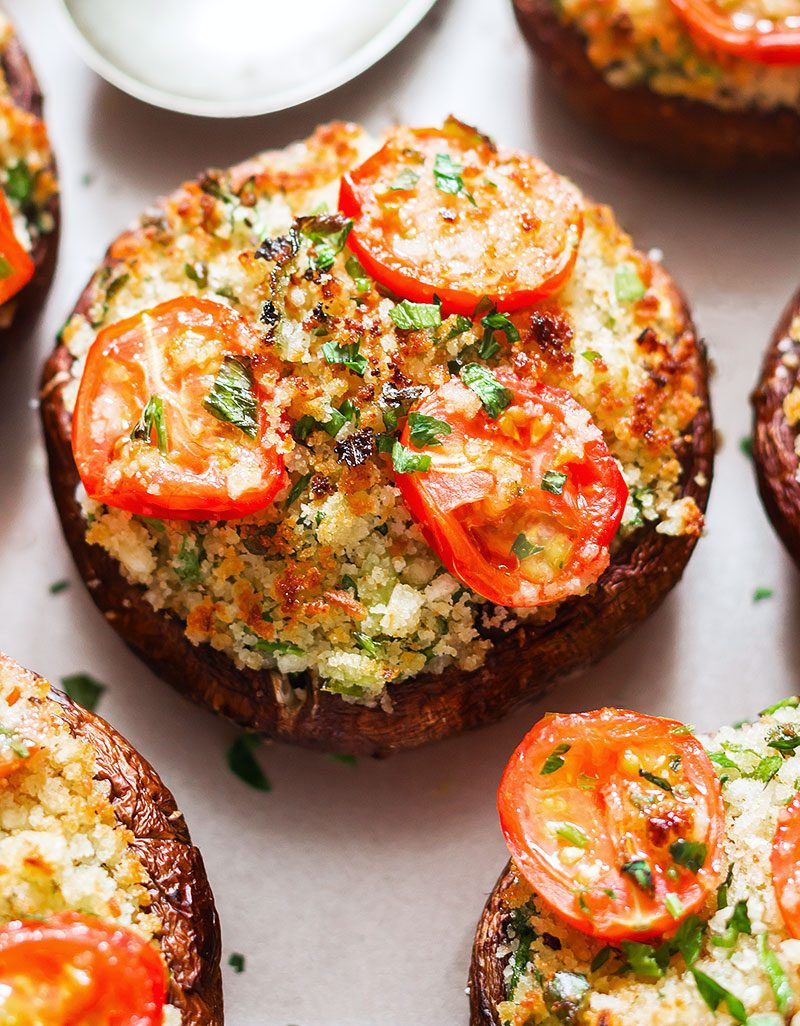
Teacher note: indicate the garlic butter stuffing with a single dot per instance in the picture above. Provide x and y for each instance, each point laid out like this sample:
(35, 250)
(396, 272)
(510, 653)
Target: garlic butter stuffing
(333, 575)
(733, 957)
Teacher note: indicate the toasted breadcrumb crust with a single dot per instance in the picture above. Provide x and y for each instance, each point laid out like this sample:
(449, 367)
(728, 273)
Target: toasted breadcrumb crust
(620, 998)
(61, 847)
(26, 161)
(791, 403)
(635, 42)
(300, 585)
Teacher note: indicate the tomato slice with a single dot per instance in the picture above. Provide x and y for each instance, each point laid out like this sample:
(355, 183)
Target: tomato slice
(441, 212)
(738, 32)
(785, 863)
(144, 436)
(616, 821)
(72, 970)
(16, 265)
(520, 508)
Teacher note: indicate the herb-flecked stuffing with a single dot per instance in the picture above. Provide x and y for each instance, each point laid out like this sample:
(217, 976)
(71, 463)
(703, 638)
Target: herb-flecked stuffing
(733, 962)
(334, 577)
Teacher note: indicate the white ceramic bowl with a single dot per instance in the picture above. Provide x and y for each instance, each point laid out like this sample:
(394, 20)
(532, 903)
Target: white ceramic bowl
(232, 58)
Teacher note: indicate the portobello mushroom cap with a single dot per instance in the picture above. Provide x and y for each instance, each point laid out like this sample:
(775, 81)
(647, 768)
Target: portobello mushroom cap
(774, 449)
(181, 895)
(26, 93)
(668, 126)
(520, 666)
(487, 985)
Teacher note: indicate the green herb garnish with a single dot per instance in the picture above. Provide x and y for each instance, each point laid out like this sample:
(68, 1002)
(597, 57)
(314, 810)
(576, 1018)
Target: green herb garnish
(447, 177)
(492, 323)
(328, 234)
(242, 761)
(494, 396)
(152, 417)
(236, 962)
(522, 548)
(689, 854)
(640, 872)
(554, 761)
(232, 398)
(553, 481)
(198, 273)
(83, 689)
(19, 182)
(628, 286)
(424, 430)
(565, 996)
(58, 586)
(366, 643)
(406, 179)
(658, 781)
(791, 702)
(361, 279)
(349, 355)
(406, 461)
(714, 994)
(408, 316)
(297, 489)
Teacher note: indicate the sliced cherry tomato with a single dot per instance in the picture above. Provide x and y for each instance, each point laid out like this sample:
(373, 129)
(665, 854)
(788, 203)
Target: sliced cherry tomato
(16, 265)
(441, 212)
(144, 436)
(785, 862)
(521, 508)
(616, 821)
(738, 32)
(72, 970)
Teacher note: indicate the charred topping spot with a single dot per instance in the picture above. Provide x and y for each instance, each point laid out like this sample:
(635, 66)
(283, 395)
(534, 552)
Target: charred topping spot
(551, 942)
(356, 448)
(269, 314)
(395, 395)
(279, 250)
(321, 485)
(675, 821)
(553, 334)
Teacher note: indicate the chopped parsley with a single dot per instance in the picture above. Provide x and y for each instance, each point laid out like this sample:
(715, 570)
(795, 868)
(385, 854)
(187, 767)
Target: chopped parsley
(784, 740)
(570, 833)
(689, 854)
(425, 430)
(297, 489)
(232, 398)
(644, 959)
(601, 958)
(236, 962)
(522, 548)
(19, 182)
(674, 905)
(565, 995)
(494, 396)
(492, 323)
(349, 355)
(366, 643)
(591, 355)
(525, 935)
(746, 446)
(460, 325)
(152, 417)
(658, 781)
(198, 273)
(242, 762)
(83, 689)
(791, 702)
(628, 286)
(361, 279)
(408, 316)
(640, 872)
(58, 586)
(278, 647)
(714, 994)
(553, 481)
(767, 768)
(187, 562)
(781, 988)
(303, 427)
(739, 922)
(554, 760)
(406, 179)
(328, 234)
(406, 461)
(447, 177)
(762, 593)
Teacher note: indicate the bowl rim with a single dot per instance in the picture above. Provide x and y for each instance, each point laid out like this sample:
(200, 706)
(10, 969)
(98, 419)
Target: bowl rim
(377, 47)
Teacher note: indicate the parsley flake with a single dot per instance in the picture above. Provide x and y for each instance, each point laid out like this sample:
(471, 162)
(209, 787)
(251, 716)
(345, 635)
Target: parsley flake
(447, 177)
(232, 398)
(640, 872)
(553, 481)
(408, 316)
(406, 461)
(522, 548)
(243, 763)
(689, 854)
(425, 430)
(349, 355)
(494, 396)
(152, 417)
(554, 761)
(83, 689)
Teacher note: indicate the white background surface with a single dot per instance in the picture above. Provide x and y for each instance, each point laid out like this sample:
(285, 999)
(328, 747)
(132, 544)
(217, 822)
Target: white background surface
(353, 892)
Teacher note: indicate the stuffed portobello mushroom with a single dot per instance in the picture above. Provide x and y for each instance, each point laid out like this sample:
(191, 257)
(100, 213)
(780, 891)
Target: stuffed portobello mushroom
(719, 81)
(653, 880)
(363, 443)
(105, 910)
(776, 449)
(29, 206)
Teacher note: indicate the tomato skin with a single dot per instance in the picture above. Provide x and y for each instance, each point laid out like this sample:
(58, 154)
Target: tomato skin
(716, 29)
(514, 268)
(192, 479)
(122, 979)
(14, 253)
(785, 865)
(456, 505)
(600, 744)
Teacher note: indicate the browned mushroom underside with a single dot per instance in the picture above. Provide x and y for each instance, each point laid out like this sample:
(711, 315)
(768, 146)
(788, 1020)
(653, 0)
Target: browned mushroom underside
(181, 896)
(487, 986)
(519, 667)
(774, 439)
(681, 130)
(26, 94)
